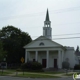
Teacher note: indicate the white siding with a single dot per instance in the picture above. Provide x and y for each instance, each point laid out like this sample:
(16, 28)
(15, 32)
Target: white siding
(71, 56)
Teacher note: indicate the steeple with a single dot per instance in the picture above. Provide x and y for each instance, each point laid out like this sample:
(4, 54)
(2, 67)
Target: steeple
(47, 30)
(47, 21)
(47, 16)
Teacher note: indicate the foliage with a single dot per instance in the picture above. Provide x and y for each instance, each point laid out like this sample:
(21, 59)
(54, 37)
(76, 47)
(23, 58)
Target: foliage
(14, 40)
(2, 52)
(30, 65)
(65, 65)
(77, 49)
(77, 67)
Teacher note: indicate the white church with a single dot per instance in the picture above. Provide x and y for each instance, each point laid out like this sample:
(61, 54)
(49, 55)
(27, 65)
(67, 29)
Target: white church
(49, 53)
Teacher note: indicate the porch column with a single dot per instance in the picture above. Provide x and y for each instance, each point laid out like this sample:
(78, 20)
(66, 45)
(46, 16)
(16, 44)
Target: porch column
(26, 56)
(36, 56)
(62, 56)
(59, 60)
(47, 57)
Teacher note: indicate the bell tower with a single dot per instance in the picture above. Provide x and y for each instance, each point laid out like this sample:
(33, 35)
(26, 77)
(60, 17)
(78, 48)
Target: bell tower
(47, 30)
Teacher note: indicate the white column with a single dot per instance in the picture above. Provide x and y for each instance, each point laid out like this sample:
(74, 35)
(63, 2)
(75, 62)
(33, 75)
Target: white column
(26, 56)
(62, 56)
(47, 57)
(59, 60)
(36, 56)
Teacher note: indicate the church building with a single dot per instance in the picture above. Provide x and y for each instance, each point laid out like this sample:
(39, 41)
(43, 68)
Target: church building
(48, 52)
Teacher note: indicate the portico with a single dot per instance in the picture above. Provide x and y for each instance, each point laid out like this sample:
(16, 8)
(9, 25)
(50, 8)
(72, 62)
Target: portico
(49, 55)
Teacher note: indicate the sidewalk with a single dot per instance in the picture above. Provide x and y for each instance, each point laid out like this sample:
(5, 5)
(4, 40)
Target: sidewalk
(59, 75)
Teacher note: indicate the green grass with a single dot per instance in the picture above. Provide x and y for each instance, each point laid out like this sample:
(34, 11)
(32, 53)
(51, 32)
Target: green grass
(71, 74)
(36, 76)
(30, 74)
(52, 72)
(68, 74)
(55, 72)
(4, 73)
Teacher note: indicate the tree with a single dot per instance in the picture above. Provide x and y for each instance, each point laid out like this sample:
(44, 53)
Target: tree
(14, 40)
(77, 49)
(2, 52)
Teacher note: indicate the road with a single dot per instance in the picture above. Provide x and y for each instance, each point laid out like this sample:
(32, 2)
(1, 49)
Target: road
(18, 78)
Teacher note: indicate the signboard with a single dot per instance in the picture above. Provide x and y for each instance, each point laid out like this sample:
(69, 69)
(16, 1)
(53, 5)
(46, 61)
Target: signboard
(22, 59)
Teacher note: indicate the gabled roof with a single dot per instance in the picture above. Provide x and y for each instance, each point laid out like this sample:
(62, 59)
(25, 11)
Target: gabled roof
(43, 38)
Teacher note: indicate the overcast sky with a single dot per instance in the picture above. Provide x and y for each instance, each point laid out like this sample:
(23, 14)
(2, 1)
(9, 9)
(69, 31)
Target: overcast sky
(29, 16)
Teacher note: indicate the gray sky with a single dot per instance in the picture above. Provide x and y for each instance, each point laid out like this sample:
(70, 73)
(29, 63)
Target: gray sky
(29, 16)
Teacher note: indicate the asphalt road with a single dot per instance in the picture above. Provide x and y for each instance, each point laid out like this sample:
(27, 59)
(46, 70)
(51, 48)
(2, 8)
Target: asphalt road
(18, 78)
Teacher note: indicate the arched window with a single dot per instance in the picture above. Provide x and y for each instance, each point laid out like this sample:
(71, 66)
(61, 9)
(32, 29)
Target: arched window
(41, 43)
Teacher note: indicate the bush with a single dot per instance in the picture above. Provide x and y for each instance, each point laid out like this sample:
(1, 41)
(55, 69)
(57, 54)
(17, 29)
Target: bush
(31, 66)
(77, 67)
(36, 66)
(26, 65)
(65, 65)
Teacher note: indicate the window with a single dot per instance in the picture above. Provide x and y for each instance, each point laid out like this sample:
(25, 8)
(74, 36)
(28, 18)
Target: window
(41, 43)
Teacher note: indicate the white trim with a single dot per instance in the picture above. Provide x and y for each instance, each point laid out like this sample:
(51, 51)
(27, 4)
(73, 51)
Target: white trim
(36, 56)
(44, 49)
(47, 59)
(59, 60)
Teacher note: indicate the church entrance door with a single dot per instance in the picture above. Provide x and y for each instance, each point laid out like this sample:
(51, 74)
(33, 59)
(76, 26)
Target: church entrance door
(55, 63)
(44, 63)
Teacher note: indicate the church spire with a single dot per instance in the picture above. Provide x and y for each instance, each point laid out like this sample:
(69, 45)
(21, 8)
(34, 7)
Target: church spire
(47, 16)
(47, 30)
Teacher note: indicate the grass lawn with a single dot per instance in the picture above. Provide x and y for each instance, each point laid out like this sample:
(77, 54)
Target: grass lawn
(30, 74)
(71, 74)
(55, 72)
(36, 76)
(68, 74)
(4, 73)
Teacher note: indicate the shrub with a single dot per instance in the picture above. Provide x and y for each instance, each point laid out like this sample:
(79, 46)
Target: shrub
(77, 67)
(31, 66)
(65, 65)
(26, 65)
(36, 66)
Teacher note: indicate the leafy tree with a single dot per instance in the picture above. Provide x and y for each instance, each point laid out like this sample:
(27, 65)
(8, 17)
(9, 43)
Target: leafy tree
(2, 52)
(14, 40)
(77, 49)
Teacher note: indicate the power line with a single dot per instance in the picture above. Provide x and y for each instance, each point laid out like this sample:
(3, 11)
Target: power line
(58, 24)
(63, 34)
(39, 14)
(67, 34)
(67, 9)
(63, 38)
(66, 38)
